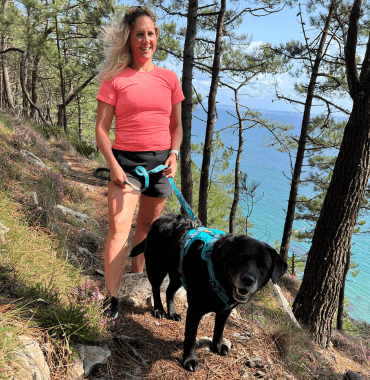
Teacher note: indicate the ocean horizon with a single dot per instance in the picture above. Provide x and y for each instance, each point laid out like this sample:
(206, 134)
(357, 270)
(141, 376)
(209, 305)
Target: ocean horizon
(272, 169)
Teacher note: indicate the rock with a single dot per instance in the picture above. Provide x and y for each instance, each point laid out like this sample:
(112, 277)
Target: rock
(350, 375)
(244, 336)
(255, 363)
(90, 240)
(64, 168)
(88, 188)
(32, 360)
(72, 215)
(30, 157)
(89, 258)
(99, 272)
(77, 369)
(92, 355)
(3, 231)
(136, 290)
(31, 199)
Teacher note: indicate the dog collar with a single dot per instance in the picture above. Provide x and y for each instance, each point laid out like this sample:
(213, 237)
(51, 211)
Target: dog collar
(208, 237)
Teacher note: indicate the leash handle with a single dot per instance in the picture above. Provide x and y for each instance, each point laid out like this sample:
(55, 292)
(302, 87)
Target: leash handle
(107, 178)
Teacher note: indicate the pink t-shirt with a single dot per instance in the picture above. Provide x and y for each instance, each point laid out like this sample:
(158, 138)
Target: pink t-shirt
(143, 103)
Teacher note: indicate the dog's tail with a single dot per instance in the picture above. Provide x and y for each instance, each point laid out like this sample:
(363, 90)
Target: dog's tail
(138, 249)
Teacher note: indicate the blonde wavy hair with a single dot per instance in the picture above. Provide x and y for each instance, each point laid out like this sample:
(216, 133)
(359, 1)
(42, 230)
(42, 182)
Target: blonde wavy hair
(114, 39)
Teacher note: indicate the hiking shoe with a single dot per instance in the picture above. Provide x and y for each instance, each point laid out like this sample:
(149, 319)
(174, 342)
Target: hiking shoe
(111, 305)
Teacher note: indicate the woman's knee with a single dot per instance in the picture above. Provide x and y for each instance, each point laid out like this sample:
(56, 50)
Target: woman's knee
(120, 225)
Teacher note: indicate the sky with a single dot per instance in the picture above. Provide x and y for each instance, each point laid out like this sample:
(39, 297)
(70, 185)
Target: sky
(276, 28)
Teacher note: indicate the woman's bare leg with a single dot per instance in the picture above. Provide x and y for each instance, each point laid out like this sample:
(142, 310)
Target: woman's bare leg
(149, 210)
(121, 205)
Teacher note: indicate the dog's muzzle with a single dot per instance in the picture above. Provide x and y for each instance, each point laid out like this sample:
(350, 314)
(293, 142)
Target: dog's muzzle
(244, 286)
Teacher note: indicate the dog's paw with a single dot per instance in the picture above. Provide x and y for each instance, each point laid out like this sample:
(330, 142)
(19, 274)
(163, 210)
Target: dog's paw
(175, 317)
(221, 349)
(159, 314)
(190, 364)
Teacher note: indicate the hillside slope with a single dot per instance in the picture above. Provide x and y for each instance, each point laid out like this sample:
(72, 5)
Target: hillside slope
(41, 258)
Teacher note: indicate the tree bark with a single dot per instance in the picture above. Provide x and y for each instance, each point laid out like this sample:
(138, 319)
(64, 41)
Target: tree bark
(204, 178)
(235, 203)
(288, 226)
(34, 76)
(341, 295)
(187, 104)
(8, 93)
(317, 298)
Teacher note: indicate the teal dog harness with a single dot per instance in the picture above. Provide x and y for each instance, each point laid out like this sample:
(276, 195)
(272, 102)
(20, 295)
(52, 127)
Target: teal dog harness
(208, 237)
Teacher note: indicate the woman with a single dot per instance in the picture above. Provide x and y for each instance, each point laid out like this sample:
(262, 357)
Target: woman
(146, 102)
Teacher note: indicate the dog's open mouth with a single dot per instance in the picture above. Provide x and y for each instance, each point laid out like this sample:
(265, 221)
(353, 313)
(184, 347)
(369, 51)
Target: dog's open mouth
(241, 294)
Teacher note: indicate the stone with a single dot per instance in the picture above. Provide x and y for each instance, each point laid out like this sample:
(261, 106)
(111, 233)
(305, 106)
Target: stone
(72, 215)
(90, 239)
(32, 360)
(3, 231)
(31, 199)
(77, 369)
(30, 157)
(135, 290)
(255, 362)
(350, 375)
(89, 258)
(92, 355)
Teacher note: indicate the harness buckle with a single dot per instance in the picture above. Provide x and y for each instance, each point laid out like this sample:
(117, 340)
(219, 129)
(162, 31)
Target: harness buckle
(214, 286)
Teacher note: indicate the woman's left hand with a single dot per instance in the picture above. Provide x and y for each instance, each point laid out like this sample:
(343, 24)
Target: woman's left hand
(171, 162)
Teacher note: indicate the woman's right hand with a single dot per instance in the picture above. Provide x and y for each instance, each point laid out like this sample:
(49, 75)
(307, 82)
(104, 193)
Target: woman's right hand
(117, 175)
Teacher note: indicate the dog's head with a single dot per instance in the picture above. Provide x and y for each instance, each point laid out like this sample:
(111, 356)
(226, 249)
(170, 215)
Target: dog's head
(249, 265)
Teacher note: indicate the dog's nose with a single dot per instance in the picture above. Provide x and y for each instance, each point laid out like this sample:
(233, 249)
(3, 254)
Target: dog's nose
(247, 279)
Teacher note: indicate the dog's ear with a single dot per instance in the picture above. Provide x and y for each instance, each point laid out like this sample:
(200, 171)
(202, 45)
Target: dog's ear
(280, 266)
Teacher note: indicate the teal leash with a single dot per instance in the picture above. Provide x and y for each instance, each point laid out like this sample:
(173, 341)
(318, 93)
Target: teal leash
(141, 171)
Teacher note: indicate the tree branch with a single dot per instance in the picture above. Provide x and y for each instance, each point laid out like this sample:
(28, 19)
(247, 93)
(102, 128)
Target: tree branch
(351, 47)
(366, 64)
(24, 56)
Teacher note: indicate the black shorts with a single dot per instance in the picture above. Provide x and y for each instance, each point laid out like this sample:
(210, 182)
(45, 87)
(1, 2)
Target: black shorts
(159, 186)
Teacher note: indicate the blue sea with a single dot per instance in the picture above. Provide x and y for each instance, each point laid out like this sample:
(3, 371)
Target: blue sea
(271, 168)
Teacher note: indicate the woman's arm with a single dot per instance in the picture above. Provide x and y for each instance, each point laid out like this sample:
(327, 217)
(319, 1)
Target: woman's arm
(104, 118)
(176, 138)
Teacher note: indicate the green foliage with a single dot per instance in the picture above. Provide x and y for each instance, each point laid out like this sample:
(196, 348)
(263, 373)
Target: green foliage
(220, 189)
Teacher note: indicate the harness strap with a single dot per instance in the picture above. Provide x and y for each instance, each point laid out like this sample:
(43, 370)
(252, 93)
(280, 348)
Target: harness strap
(209, 237)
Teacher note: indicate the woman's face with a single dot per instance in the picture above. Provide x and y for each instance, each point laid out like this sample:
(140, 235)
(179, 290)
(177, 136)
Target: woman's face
(143, 40)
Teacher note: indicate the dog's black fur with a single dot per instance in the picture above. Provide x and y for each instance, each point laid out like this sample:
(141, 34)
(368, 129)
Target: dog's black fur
(241, 264)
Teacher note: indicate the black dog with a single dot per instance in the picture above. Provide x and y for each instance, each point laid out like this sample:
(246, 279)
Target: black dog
(242, 266)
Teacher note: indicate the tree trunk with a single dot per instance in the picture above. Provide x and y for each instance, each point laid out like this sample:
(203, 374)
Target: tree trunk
(235, 203)
(34, 76)
(341, 294)
(79, 119)
(187, 104)
(204, 178)
(8, 94)
(288, 227)
(317, 298)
